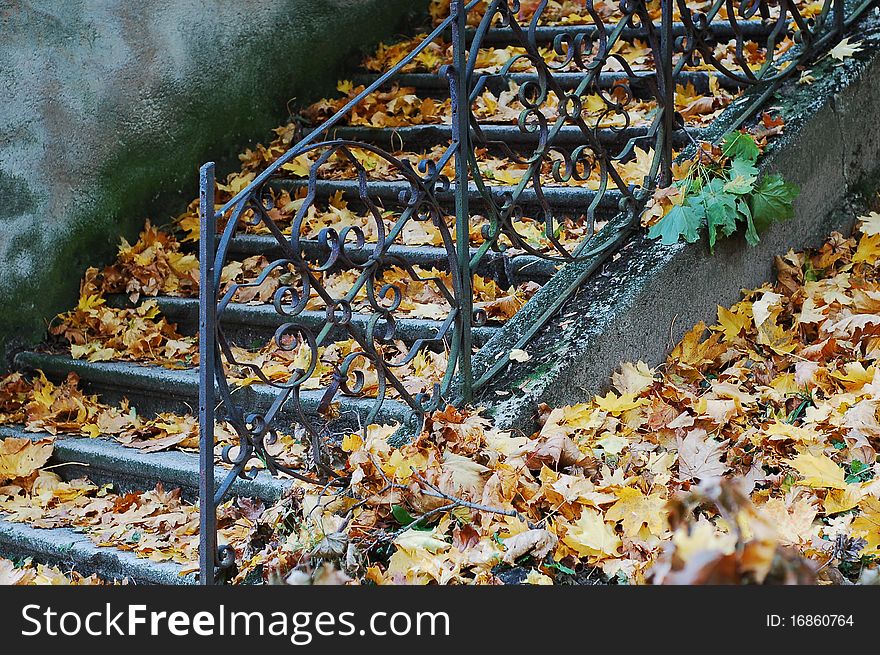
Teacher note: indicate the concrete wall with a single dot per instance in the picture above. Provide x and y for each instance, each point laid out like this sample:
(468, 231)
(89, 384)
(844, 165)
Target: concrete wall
(108, 107)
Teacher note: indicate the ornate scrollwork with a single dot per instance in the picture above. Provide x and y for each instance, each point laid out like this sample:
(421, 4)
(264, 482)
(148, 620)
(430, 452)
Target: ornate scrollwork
(586, 117)
(548, 107)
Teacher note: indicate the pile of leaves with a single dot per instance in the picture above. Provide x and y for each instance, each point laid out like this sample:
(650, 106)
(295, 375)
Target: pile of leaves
(100, 333)
(401, 106)
(636, 53)
(29, 573)
(576, 12)
(99, 330)
(749, 456)
(40, 405)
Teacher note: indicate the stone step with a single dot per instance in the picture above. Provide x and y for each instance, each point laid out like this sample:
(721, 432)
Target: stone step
(504, 269)
(752, 30)
(67, 548)
(559, 197)
(418, 137)
(248, 324)
(153, 389)
(641, 84)
(104, 460)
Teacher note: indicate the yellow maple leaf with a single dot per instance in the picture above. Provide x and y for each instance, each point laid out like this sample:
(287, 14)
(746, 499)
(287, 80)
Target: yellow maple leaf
(21, 457)
(692, 352)
(591, 536)
(867, 525)
(299, 166)
(91, 430)
(400, 467)
(778, 430)
(732, 324)
(634, 509)
(614, 404)
(868, 251)
(819, 471)
(777, 338)
(352, 442)
(854, 375)
(841, 500)
(88, 302)
(44, 393)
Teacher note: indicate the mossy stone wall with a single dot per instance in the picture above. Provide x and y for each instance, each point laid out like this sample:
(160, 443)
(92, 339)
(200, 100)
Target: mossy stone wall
(108, 108)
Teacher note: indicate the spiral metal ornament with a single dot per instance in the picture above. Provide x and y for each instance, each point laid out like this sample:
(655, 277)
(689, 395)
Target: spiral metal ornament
(575, 100)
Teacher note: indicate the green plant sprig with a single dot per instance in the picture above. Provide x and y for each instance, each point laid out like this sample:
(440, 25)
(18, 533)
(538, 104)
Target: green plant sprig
(723, 197)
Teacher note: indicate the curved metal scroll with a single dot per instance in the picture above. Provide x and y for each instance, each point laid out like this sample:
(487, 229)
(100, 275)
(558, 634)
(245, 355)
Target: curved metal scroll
(595, 135)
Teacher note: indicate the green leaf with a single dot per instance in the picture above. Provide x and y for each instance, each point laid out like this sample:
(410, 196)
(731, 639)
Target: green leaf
(857, 467)
(771, 201)
(742, 176)
(720, 209)
(401, 515)
(740, 145)
(553, 564)
(681, 221)
(752, 237)
(406, 519)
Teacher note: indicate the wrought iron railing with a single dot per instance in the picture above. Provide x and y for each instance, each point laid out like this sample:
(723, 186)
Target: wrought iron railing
(576, 130)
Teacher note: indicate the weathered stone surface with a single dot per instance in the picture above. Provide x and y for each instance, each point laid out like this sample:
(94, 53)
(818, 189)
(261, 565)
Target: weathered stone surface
(106, 461)
(107, 110)
(65, 548)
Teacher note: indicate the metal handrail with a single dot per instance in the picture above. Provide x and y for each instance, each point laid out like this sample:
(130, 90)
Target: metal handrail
(549, 109)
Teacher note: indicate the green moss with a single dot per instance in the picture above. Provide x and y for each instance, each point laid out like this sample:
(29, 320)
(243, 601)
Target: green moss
(18, 198)
(236, 101)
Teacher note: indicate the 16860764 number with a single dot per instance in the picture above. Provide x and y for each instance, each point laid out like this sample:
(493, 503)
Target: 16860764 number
(810, 620)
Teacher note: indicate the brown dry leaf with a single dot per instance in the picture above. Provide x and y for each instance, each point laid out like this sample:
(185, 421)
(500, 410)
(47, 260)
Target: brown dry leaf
(20, 458)
(699, 457)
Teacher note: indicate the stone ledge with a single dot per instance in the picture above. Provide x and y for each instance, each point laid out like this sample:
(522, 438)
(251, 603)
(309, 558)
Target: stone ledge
(105, 461)
(153, 389)
(68, 549)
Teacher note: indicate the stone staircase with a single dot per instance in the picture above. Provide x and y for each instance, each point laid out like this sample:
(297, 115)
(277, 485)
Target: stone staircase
(152, 389)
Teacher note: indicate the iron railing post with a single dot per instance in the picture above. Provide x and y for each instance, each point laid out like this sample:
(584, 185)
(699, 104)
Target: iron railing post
(839, 10)
(460, 98)
(207, 356)
(666, 86)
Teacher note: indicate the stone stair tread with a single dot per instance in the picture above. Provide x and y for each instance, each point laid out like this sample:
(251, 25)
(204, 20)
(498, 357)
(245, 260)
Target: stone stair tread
(265, 316)
(412, 137)
(248, 245)
(750, 29)
(65, 547)
(105, 460)
(180, 386)
(559, 196)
